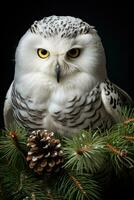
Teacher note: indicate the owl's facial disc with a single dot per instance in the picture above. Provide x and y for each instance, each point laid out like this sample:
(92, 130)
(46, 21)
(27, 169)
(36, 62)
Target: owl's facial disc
(58, 72)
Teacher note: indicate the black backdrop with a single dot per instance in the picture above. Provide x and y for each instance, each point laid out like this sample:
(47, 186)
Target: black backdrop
(111, 21)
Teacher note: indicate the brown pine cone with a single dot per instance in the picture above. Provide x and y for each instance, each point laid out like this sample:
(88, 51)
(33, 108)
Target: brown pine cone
(45, 153)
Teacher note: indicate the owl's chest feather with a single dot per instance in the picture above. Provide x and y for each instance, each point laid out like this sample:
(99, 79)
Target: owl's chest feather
(61, 111)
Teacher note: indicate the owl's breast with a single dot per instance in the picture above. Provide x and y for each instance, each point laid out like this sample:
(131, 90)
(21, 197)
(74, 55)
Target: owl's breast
(63, 111)
(81, 111)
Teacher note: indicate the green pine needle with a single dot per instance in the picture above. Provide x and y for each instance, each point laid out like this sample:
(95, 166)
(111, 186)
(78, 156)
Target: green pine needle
(127, 113)
(120, 145)
(9, 179)
(52, 193)
(77, 186)
(29, 187)
(84, 152)
(13, 147)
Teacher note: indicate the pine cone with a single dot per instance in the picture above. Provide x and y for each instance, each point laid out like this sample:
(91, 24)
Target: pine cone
(45, 154)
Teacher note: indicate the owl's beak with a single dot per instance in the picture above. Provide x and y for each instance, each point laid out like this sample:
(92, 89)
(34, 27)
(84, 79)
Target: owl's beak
(58, 72)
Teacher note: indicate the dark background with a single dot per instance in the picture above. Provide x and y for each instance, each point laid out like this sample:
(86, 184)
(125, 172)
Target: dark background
(111, 21)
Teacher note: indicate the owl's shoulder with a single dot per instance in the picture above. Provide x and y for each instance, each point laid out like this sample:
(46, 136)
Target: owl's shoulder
(114, 98)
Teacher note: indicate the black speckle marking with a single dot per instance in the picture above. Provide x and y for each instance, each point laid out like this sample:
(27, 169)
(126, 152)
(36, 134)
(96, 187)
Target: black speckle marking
(107, 92)
(114, 105)
(65, 26)
(111, 100)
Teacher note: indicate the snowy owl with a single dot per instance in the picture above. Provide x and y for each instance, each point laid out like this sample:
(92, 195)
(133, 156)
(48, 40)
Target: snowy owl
(60, 82)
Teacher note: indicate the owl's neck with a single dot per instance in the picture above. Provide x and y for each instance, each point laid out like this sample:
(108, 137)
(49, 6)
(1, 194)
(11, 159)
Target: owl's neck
(34, 84)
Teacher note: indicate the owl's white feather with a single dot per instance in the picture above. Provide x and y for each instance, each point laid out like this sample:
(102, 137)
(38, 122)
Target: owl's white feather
(74, 99)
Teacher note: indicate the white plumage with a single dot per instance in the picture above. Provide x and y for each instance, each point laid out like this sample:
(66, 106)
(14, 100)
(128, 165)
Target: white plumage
(60, 81)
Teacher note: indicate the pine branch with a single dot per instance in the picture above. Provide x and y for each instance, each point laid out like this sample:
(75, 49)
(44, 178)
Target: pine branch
(13, 147)
(29, 187)
(89, 159)
(9, 179)
(78, 186)
(85, 152)
(120, 143)
(53, 194)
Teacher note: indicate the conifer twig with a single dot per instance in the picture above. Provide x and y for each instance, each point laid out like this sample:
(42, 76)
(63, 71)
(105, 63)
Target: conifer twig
(117, 151)
(129, 121)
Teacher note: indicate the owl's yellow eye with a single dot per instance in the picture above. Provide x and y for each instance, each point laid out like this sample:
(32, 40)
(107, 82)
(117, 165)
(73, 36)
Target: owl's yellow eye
(43, 53)
(73, 53)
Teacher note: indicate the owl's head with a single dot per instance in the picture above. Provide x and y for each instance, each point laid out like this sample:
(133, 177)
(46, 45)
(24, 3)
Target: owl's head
(61, 47)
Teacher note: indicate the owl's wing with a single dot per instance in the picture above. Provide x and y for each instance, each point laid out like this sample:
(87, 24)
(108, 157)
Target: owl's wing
(114, 98)
(126, 99)
(8, 112)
